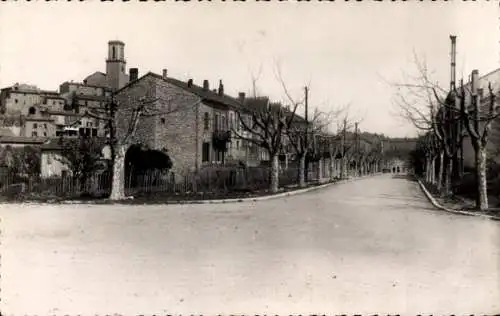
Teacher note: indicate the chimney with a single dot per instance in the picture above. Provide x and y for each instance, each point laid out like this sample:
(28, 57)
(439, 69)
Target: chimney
(474, 83)
(165, 72)
(133, 74)
(190, 83)
(453, 39)
(221, 88)
(241, 97)
(206, 85)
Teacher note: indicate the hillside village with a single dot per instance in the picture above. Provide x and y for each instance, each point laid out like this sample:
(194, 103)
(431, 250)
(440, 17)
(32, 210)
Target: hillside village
(198, 126)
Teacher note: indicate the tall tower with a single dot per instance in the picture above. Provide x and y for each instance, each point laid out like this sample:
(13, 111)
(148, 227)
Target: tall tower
(115, 65)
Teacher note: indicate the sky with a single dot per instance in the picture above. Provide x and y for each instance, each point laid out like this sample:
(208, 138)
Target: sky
(345, 52)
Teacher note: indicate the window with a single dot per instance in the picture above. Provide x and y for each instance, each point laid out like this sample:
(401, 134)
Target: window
(216, 122)
(45, 125)
(163, 120)
(35, 125)
(44, 134)
(231, 119)
(206, 121)
(205, 152)
(32, 110)
(15, 101)
(49, 159)
(53, 102)
(480, 93)
(34, 134)
(114, 53)
(237, 144)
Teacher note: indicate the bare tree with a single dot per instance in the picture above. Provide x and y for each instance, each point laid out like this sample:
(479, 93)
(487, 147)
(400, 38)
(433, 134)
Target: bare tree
(431, 146)
(428, 107)
(123, 114)
(298, 135)
(265, 125)
(478, 120)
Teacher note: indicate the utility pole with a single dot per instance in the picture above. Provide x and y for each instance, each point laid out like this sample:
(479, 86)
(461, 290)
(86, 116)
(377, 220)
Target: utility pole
(342, 150)
(356, 139)
(306, 140)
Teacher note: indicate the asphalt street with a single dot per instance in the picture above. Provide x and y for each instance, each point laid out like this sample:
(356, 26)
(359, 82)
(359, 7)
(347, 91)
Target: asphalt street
(374, 245)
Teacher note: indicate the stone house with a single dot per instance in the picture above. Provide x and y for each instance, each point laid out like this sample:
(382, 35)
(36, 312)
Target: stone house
(192, 122)
(17, 99)
(493, 146)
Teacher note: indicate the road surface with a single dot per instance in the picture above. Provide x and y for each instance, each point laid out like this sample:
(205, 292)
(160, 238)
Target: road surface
(369, 246)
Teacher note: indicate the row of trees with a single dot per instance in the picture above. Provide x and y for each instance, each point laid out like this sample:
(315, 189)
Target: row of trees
(275, 128)
(446, 119)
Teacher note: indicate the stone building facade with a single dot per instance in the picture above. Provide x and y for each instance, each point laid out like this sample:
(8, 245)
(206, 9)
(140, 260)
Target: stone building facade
(185, 119)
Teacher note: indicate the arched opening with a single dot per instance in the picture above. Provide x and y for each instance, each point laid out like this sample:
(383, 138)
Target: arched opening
(145, 167)
(32, 111)
(114, 52)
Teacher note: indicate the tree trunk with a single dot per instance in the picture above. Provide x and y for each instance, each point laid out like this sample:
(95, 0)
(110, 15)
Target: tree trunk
(118, 180)
(432, 170)
(320, 170)
(332, 167)
(428, 169)
(449, 171)
(274, 173)
(342, 168)
(482, 188)
(441, 170)
(302, 170)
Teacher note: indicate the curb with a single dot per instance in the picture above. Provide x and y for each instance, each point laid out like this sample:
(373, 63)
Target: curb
(439, 206)
(219, 201)
(274, 196)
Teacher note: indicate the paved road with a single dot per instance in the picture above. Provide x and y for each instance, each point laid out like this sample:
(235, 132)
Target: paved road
(368, 246)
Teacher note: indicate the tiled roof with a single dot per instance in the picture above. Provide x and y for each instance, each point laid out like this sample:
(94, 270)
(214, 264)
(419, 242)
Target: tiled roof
(259, 103)
(22, 140)
(4, 131)
(90, 97)
(64, 113)
(55, 143)
(209, 95)
(38, 119)
(262, 103)
(38, 92)
(85, 85)
(96, 73)
(204, 94)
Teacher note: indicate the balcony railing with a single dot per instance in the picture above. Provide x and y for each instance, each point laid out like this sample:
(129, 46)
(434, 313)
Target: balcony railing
(220, 139)
(222, 136)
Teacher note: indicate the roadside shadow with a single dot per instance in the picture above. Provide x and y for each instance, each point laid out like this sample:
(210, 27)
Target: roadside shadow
(404, 176)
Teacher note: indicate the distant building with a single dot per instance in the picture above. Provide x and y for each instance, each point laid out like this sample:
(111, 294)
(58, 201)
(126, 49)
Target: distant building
(52, 162)
(17, 99)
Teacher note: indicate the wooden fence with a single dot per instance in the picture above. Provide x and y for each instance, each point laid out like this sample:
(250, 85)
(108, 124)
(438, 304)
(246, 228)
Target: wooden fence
(207, 180)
